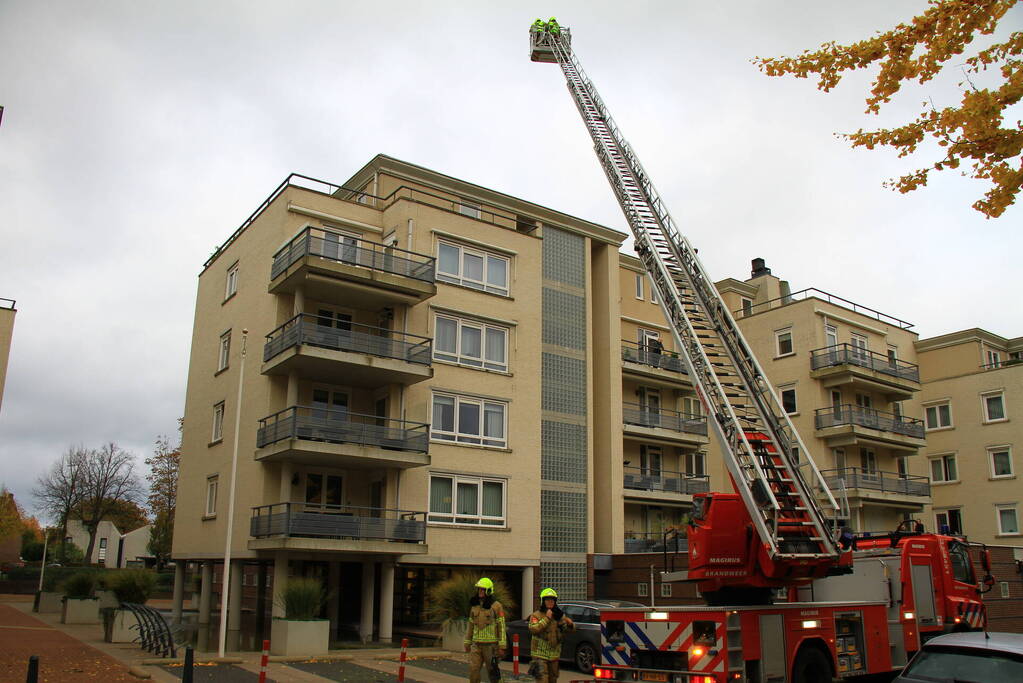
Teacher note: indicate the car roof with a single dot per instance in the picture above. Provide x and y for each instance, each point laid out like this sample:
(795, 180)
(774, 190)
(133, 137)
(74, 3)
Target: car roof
(1000, 642)
(600, 604)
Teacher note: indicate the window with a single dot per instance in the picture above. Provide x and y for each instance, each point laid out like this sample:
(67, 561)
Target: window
(696, 464)
(639, 286)
(642, 589)
(784, 341)
(943, 468)
(938, 416)
(1001, 461)
(102, 550)
(859, 347)
(653, 292)
(470, 343)
(747, 307)
(323, 491)
(470, 209)
(830, 335)
(232, 281)
(472, 268)
(893, 356)
(794, 453)
(665, 590)
(1007, 521)
(949, 521)
(225, 351)
(902, 465)
(469, 420)
(650, 460)
(994, 407)
(211, 495)
(329, 404)
(962, 568)
(994, 359)
(788, 400)
(218, 422)
(1003, 588)
(466, 500)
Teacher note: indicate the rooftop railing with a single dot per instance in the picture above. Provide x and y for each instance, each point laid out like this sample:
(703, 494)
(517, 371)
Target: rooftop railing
(1008, 362)
(874, 480)
(813, 292)
(847, 414)
(847, 354)
(336, 522)
(646, 479)
(355, 252)
(310, 329)
(314, 423)
(634, 352)
(637, 414)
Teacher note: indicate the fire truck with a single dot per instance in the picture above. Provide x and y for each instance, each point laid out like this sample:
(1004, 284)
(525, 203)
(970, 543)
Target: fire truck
(789, 597)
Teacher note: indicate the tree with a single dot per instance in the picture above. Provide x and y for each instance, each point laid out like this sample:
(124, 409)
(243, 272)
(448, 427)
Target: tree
(160, 538)
(60, 490)
(126, 515)
(163, 496)
(10, 515)
(108, 476)
(973, 131)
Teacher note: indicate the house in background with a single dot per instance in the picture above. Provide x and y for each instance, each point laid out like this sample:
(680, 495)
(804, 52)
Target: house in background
(113, 549)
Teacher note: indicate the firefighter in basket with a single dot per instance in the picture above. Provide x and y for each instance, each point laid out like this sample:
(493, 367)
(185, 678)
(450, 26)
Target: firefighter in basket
(485, 636)
(547, 626)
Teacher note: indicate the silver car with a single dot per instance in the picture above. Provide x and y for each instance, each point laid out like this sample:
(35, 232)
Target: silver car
(581, 647)
(973, 657)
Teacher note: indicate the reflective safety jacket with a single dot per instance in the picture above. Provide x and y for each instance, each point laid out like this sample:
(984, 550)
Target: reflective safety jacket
(547, 635)
(486, 625)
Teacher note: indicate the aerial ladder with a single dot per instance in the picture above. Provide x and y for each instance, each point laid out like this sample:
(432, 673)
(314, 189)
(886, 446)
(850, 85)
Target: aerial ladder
(772, 532)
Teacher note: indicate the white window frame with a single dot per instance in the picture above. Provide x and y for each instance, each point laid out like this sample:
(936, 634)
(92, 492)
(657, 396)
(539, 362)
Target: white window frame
(1003, 589)
(231, 285)
(643, 589)
(695, 463)
(778, 334)
(653, 291)
(224, 355)
(639, 286)
(212, 489)
(859, 345)
(460, 358)
(936, 405)
(218, 422)
(984, 406)
(946, 512)
(470, 208)
(992, 451)
(453, 517)
(1006, 507)
(459, 277)
(830, 336)
(994, 359)
(944, 458)
(665, 590)
(480, 440)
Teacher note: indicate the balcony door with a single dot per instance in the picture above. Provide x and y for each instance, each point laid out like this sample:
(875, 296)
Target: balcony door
(650, 405)
(340, 246)
(868, 465)
(650, 461)
(650, 347)
(323, 492)
(330, 405)
(333, 329)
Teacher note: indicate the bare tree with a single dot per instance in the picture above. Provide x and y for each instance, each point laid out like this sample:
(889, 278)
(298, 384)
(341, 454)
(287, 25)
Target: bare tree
(108, 476)
(60, 490)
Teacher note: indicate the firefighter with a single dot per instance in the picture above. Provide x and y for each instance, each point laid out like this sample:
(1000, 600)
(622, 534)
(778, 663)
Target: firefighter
(539, 26)
(552, 27)
(484, 638)
(547, 625)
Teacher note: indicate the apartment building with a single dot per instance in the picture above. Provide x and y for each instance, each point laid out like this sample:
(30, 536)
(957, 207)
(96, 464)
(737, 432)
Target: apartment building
(972, 398)
(7, 313)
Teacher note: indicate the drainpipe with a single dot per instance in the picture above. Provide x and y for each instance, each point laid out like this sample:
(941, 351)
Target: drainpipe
(409, 238)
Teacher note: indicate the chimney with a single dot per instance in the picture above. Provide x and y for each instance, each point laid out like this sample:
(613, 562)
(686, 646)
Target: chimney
(759, 268)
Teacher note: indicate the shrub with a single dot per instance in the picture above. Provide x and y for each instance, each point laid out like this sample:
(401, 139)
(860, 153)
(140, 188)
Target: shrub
(302, 599)
(132, 585)
(80, 585)
(449, 599)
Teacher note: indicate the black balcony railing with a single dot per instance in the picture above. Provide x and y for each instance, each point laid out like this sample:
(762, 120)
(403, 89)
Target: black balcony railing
(643, 416)
(339, 426)
(847, 354)
(634, 352)
(874, 480)
(355, 252)
(847, 414)
(313, 330)
(646, 479)
(653, 542)
(337, 521)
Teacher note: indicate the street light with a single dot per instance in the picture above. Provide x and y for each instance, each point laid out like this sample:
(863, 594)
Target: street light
(225, 580)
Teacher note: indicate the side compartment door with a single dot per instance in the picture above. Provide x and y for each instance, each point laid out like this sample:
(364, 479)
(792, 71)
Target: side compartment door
(923, 594)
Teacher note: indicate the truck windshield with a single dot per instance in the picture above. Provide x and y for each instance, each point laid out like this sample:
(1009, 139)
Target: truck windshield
(962, 568)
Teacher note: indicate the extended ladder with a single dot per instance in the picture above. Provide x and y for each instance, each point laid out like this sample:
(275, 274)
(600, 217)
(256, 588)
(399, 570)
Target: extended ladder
(757, 436)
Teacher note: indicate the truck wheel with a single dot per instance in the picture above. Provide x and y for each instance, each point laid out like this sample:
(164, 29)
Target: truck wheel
(585, 658)
(811, 666)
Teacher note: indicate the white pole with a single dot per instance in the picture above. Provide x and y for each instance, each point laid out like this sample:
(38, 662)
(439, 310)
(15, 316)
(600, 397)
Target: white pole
(651, 586)
(42, 567)
(225, 580)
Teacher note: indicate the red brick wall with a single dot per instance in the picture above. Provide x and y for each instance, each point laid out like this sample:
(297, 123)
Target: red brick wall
(630, 570)
(1004, 614)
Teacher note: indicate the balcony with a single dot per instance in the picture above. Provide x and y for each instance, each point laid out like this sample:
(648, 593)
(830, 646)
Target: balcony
(666, 426)
(878, 486)
(358, 355)
(652, 363)
(848, 425)
(845, 364)
(328, 267)
(303, 526)
(646, 483)
(337, 438)
(653, 542)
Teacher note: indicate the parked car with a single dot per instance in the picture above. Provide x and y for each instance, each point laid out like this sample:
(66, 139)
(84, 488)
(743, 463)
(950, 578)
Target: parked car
(973, 657)
(582, 646)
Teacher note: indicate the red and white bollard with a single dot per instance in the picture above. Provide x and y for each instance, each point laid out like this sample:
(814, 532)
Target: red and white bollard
(515, 654)
(401, 661)
(263, 661)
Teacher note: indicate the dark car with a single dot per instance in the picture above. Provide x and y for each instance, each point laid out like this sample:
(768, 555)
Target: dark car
(581, 646)
(967, 658)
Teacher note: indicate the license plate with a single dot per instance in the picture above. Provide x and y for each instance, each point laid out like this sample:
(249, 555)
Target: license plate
(663, 678)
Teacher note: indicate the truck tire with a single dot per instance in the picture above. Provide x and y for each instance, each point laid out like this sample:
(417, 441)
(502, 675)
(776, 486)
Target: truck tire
(812, 666)
(585, 658)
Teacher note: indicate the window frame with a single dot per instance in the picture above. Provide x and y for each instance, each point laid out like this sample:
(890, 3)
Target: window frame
(458, 358)
(984, 397)
(994, 358)
(992, 451)
(643, 589)
(212, 493)
(948, 520)
(231, 281)
(482, 285)
(1006, 507)
(224, 352)
(944, 458)
(458, 519)
(695, 463)
(665, 589)
(653, 290)
(778, 334)
(795, 400)
(469, 208)
(467, 438)
(937, 405)
(639, 287)
(219, 410)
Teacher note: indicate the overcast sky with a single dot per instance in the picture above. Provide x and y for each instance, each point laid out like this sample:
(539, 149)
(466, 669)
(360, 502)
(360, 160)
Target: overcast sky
(138, 135)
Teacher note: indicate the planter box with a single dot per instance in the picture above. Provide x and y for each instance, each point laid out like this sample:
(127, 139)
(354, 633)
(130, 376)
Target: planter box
(50, 603)
(122, 627)
(107, 599)
(454, 635)
(299, 637)
(80, 611)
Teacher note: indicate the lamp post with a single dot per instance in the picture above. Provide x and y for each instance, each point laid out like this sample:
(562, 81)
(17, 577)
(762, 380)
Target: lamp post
(225, 581)
(46, 538)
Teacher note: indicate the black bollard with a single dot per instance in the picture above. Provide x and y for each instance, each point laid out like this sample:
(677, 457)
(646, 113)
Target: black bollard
(186, 672)
(33, 670)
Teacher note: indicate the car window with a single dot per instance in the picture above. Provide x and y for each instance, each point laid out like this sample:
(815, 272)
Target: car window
(576, 613)
(968, 666)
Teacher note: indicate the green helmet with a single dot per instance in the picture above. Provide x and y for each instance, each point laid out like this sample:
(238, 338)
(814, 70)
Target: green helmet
(487, 584)
(553, 20)
(548, 593)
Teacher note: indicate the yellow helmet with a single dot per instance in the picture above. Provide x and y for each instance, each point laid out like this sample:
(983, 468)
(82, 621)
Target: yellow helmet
(486, 584)
(548, 593)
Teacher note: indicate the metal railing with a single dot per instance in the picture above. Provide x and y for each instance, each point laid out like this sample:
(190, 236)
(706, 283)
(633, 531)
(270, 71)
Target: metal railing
(647, 479)
(847, 354)
(847, 414)
(7, 303)
(337, 521)
(813, 292)
(653, 542)
(1002, 363)
(634, 352)
(339, 426)
(885, 482)
(355, 252)
(636, 414)
(155, 634)
(307, 328)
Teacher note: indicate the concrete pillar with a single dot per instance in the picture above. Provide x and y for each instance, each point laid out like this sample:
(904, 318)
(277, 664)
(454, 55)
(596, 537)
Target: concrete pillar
(205, 592)
(280, 579)
(368, 591)
(527, 591)
(333, 591)
(234, 606)
(179, 589)
(386, 601)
